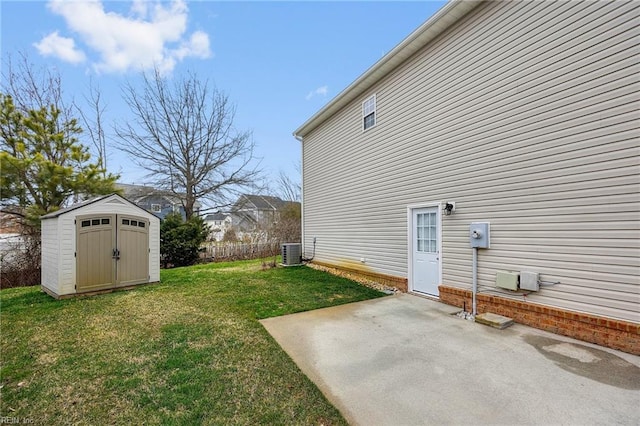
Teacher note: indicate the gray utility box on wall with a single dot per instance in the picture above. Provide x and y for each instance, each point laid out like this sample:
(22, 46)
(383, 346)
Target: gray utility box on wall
(291, 254)
(529, 281)
(508, 280)
(479, 234)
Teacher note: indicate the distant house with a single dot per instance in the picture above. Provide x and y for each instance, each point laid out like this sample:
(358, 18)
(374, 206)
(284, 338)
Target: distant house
(519, 114)
(153, 200)
(11, 237)
(253, 217)
(257, 217)
(256, 212)
(10, 224)
(219, 223)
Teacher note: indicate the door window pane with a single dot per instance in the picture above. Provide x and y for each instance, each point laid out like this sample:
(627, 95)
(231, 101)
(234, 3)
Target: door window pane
(426, 232)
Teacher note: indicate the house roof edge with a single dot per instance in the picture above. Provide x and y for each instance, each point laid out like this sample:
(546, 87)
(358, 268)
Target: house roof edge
(446, 16)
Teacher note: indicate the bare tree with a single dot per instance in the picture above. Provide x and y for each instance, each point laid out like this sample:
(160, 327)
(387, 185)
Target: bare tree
(183, 135)
(288, 227)
(288, 188)
(94, 125)
(32, 88)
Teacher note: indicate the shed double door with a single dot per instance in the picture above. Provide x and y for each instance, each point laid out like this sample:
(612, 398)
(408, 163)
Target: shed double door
(111, 251)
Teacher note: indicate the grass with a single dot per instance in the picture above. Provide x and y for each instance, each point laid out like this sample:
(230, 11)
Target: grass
(187, 351)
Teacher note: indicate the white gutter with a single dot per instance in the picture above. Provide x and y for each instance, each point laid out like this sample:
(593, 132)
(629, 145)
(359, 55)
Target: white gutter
(449, 14)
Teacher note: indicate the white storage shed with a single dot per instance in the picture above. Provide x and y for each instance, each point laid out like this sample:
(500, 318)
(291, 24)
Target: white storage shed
(99, 245)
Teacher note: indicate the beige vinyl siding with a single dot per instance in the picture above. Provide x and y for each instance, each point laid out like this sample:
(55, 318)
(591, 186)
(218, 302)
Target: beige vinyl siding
(66, 255)
(50, 247)
(526, 114)
(154, 250)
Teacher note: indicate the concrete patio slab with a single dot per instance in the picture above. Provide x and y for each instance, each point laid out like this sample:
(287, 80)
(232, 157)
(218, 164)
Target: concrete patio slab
(406, 360)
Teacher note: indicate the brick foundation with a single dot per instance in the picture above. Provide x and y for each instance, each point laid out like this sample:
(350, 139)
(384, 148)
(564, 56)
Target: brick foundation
(612, 333)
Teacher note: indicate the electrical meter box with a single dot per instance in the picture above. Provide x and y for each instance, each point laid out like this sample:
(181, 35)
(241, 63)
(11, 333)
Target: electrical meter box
(479, 234)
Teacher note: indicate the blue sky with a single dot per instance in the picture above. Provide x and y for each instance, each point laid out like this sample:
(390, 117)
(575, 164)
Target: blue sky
(279, 62)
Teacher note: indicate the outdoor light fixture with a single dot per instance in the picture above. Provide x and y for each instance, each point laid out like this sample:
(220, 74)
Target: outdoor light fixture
(449, 207)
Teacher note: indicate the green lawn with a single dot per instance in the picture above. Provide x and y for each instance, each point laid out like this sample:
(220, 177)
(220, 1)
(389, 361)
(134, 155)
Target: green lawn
(189, 350)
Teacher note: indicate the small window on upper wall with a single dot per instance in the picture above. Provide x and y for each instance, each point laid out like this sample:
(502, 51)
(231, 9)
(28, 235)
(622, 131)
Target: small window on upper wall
(156, 208)
(369, 113)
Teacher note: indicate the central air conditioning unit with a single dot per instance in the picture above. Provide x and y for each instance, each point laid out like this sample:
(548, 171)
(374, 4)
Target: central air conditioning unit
(291, 254)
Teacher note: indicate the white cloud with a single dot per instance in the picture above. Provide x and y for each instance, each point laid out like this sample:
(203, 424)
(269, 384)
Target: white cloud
(320, 91)
(139, 8)
(61, 47)
(154, 34)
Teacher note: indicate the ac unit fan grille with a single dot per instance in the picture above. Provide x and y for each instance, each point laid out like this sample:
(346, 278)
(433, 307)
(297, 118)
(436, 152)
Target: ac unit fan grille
(291, 254)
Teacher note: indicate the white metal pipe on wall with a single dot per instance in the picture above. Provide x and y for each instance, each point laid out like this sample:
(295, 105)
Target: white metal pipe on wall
(474, 288)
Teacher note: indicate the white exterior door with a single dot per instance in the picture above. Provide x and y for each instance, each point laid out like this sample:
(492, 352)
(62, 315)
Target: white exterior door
(426, 246)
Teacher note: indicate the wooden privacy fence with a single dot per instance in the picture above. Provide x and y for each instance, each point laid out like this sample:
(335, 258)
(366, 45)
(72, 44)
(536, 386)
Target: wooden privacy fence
(217, 251)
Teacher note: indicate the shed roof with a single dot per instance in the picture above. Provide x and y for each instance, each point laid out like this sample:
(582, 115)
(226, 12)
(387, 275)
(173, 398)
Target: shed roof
(88, 202)
(449, 14)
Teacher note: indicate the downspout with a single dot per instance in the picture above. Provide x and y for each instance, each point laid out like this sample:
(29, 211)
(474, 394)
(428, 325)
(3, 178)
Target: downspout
(300, 139)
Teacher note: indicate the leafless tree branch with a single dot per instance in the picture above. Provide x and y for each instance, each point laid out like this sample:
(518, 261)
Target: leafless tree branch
(287, 187)
(93, 123)
(183, 135)
(34, 87)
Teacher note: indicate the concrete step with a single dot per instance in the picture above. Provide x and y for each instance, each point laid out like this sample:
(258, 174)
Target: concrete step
(494, 320)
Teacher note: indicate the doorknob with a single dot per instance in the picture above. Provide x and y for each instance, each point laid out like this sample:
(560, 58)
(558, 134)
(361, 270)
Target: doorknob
(116, 254)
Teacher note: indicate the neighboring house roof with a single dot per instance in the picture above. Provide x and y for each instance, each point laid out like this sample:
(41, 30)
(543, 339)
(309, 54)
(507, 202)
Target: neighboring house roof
(259, 202)
(137, 193)
(437, 24)
(216, 216)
